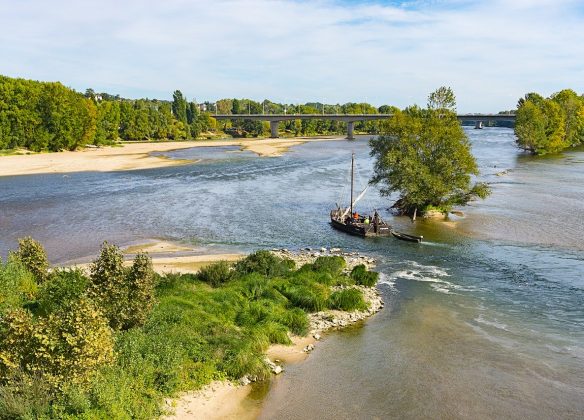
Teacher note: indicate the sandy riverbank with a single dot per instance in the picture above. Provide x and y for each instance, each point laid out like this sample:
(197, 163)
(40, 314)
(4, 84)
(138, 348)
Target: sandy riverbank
(132, 156)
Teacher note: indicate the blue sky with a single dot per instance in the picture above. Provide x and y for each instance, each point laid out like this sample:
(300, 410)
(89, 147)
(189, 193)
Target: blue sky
(382, 52)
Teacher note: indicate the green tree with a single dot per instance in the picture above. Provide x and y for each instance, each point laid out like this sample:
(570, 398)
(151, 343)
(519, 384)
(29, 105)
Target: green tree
(179, 106)
(425, 156)
(125, 296)
(34, 258)
(549, 125)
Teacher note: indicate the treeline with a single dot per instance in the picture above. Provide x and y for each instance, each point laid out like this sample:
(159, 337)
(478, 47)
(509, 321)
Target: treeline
(49, 116)
(243, 127)
(550, 125)
(114, 342)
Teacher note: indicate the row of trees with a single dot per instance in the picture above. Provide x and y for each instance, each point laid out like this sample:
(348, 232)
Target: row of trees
(550, 125)
(243, 127)
(49, 116)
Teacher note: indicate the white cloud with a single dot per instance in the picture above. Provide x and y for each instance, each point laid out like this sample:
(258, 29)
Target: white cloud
(295, 51)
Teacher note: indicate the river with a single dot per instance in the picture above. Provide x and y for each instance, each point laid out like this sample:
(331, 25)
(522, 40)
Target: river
(483, 320)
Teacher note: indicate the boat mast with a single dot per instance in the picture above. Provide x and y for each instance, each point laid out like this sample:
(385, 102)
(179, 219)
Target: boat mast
(352, 179)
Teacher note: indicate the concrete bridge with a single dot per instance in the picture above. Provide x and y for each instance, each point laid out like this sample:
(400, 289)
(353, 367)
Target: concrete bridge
(350, 119)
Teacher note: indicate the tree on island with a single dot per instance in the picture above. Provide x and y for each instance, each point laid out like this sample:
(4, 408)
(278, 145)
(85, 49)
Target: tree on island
(550, 125)
(425, 156)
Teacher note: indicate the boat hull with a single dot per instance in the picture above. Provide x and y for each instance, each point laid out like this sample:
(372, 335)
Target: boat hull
(361, 229)
(406, 237)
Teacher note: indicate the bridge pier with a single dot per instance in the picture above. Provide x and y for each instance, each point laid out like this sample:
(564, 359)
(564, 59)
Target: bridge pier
(274, 129)
(350, 127)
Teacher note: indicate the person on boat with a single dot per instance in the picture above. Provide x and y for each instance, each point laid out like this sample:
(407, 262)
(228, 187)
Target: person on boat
(356, 216)
(367, 220)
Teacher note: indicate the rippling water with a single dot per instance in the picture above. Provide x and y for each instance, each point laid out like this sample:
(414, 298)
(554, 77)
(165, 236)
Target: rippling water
(484, 320)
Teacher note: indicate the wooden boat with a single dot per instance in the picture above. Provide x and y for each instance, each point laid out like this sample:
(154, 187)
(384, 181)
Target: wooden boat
(350, 221)
(406, 237)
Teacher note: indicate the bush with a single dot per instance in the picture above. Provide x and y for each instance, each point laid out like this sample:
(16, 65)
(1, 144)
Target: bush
(312, 298)
(62, 288)
(125, 296)
(264, 263)
(140, 283)
(333, 264)
(17, 285)
(363, 277)
(295, 319)
(68, 346)
(347, 300)
(33, 256)
(216, 274)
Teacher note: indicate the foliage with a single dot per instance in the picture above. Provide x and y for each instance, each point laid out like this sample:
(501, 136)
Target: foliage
(333, 264)
(17, 285)
(63, 287)
(63, 360)
(125, 296)
(263, 262)
(347, 300)
(67, 346)
(216, 273)
(363, 277)
(33, 256)
(425, 155)
(550, 125)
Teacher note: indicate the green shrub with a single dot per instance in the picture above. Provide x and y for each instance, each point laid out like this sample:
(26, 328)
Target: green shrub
(62, 288)
(17, 285)
(25, 397)
(125, 296)
(347, 300)
(312, 298)
(364, 277)
(140, 282)
(276, 332)
(295, 319)
(216, 274)
(333, 264)
(33, 256)
(264, 263)
(68, 346)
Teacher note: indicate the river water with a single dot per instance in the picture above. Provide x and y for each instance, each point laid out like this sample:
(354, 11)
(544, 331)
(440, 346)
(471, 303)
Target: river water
(483, 320)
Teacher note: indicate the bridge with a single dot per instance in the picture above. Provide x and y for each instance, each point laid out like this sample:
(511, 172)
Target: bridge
(350, 119)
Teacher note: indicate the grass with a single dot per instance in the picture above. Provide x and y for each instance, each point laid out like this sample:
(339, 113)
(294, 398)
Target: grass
(217, 324)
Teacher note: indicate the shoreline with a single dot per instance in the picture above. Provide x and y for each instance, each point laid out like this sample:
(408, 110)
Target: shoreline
(227, 399)
(134, 156)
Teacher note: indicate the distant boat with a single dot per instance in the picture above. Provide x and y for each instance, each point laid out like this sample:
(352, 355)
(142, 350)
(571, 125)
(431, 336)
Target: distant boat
(479, 125)
(348, 220)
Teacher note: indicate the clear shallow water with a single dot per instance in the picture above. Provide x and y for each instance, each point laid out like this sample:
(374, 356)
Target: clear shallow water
(485, 320)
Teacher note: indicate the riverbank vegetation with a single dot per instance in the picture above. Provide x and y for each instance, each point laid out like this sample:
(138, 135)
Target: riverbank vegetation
(550, 125)
(47, 116)
(424, 155)
(113, 343)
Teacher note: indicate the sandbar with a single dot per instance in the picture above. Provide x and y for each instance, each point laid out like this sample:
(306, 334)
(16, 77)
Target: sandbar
(133, 156)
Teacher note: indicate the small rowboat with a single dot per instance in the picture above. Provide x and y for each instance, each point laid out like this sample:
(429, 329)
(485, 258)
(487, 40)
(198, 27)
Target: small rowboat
(406, 237)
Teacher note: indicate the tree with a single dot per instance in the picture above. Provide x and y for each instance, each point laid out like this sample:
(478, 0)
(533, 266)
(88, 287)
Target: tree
(34, 258)
(179, 106)
(442, 99)
(425, 156)
(549, 125)
(124, 296)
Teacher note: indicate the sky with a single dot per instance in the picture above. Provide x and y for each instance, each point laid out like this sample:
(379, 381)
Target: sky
(295, 51)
